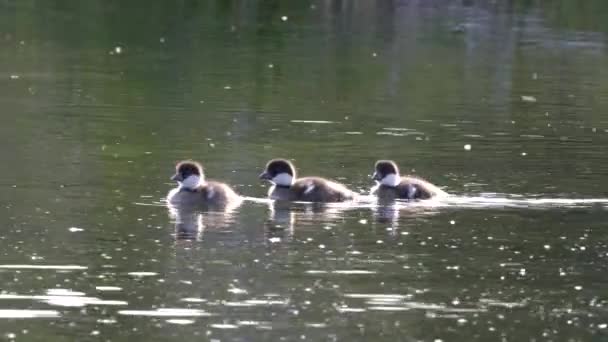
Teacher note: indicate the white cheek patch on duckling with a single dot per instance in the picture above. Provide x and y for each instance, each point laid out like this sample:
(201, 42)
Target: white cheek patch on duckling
(391, 180)
(191, 183)
(283, 179)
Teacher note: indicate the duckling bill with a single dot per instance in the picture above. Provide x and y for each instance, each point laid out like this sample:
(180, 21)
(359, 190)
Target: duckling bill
(194, 189)
(282, 174)
(392, 186)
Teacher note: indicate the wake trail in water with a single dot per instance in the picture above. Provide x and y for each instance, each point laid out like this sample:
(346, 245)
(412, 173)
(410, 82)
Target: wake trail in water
(484, 200)
(516, 201)
(489, 200)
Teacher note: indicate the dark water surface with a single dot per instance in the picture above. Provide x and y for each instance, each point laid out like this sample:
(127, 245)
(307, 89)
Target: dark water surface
(100, 98)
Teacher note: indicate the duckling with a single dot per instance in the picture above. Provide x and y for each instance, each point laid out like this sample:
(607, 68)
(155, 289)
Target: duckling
(287, 187)
(193, 189)
(391, 185)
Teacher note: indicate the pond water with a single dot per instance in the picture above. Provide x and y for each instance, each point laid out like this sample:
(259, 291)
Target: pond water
(503, 104)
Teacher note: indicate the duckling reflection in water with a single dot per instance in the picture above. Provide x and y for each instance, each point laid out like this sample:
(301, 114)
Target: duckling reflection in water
(284, 216)
(188, 223)
(392, 213)
(191, 222)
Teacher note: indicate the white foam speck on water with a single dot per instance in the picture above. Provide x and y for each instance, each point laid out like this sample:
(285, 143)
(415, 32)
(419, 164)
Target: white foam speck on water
(75, 229)
(193, 300)
(108, 288)
(346, 272)
(347, 309)
(236, 290)
(313, 121)
(376, 296)
(142, 274)
(388, 308)
(498, 303)
(63, 292)
(528, 98)
(180, 321)
(399, 133)
(44, 267)
(65, 299)
(28, 313)
(166, 312)
(224, 326)
(266, 302)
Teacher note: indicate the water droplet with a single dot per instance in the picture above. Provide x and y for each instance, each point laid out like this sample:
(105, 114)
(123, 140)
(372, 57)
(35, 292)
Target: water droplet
(528, 98)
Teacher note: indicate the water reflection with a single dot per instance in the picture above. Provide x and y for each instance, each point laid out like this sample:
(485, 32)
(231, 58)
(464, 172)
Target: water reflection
(285, 215)
(192, 220)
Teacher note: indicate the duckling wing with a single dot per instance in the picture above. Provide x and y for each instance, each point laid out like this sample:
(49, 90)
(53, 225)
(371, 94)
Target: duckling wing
(417, 188)
(218, 192)
(313, 189)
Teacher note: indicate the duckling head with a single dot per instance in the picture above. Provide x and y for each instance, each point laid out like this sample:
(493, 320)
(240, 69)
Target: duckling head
(386, 173)
(189, 174)
(280, 172)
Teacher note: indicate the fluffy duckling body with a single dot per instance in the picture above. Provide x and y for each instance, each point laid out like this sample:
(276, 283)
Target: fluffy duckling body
(392, 186)
(193, 189)
(287, 187)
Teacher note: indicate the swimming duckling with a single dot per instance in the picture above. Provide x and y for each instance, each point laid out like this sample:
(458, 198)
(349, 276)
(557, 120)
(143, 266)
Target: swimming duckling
(193, 189)
(282, 174)
(391, 185)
